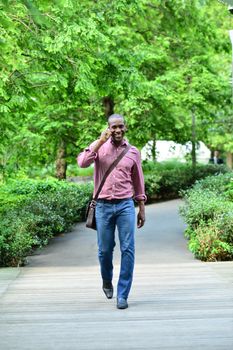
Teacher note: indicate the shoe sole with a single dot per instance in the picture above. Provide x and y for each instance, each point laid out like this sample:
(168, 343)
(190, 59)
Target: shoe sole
(122, 308)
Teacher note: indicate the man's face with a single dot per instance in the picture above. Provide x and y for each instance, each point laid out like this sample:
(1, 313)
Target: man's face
(117, 128)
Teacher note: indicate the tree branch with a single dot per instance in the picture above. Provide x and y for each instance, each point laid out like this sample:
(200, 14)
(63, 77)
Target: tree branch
(20, 21)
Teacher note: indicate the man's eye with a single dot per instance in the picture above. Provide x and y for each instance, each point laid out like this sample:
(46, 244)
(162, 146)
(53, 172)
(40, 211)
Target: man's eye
(117, 126)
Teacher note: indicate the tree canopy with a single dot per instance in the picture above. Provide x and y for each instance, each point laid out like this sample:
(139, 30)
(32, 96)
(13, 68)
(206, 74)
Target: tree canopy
(67, 65)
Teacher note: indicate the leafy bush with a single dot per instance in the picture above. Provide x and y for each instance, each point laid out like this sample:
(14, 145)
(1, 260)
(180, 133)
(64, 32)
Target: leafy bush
(15, 192)
(151, 185)
(40, 210)
(229, 189)
(10, 201)
(208, 243)
(169, 178)
(218, 184)
(15, 240)
(202, 206)
(208, 211)
(32, 187)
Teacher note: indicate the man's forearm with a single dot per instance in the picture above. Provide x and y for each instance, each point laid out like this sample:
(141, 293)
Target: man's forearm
(87, 157)
(97, 146)
(141, 205)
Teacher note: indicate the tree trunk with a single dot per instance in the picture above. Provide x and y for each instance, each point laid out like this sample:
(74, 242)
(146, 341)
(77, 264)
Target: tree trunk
(108, 104)
(153, 148)
(229, 160)
(193, 152)
(61, 164)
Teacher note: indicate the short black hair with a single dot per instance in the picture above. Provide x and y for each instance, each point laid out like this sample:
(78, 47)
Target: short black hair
(115, 116)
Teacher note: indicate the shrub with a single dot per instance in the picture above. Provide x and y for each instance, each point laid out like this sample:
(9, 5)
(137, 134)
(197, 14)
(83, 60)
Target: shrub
(172, 177)
(15, 240)
(151, 185)
(201, 206)
(174, 180)
(40, 210)
(208, 211)
(10, 201)
(218, 184)
(229, 189)
(208, 243)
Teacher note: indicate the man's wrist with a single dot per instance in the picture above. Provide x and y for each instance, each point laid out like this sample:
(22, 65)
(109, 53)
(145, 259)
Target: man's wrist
(97, 145)
(141, 205)
(101, 142)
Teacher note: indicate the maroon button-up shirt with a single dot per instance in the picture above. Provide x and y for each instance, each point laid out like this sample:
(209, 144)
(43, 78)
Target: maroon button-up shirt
(125, 181)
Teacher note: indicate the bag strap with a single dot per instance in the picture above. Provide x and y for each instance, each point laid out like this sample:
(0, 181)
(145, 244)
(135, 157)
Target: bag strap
(112, 166)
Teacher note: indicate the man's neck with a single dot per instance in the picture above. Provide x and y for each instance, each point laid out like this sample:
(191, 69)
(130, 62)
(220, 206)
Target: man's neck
(118, 143)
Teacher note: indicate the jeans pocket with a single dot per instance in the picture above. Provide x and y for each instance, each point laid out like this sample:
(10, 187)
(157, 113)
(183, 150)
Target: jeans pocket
(99, 205)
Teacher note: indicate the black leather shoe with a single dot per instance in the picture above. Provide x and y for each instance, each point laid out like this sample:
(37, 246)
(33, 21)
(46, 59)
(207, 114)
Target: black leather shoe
(108, 289)
(122, 303)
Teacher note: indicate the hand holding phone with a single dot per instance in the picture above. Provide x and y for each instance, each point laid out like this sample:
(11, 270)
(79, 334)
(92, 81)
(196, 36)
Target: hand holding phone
(105, 135)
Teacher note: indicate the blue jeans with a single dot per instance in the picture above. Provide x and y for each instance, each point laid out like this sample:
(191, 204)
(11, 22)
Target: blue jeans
(120, 214)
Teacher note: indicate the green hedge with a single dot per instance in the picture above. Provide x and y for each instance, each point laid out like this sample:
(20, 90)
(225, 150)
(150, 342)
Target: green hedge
(33, 211)
(165, 180)
(208, 212)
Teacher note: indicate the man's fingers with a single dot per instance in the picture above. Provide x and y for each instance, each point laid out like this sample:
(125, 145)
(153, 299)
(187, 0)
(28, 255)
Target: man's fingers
(105, 135)
(140, 222)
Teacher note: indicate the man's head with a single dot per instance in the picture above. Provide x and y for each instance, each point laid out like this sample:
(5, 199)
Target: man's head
(117, 127)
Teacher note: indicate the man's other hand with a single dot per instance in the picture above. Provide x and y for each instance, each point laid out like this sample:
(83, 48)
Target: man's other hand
(141, 218)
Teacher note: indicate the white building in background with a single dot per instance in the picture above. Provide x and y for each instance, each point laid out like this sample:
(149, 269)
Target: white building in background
(169, 150)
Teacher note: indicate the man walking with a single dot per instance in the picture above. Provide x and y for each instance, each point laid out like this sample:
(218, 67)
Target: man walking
(115, 206)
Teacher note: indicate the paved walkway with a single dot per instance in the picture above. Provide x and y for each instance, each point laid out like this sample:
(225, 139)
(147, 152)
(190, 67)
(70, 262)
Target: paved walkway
(177, 302)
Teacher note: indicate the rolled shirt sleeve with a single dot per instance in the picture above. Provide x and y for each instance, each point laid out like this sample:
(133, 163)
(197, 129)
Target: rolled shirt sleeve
(138, 180)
